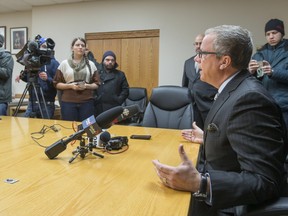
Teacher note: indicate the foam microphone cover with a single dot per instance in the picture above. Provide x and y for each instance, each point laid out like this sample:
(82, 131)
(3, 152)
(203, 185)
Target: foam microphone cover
(103, 138)
(33, 46)
(128, 112)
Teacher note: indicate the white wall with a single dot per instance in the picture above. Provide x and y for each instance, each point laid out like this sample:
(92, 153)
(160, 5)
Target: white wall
(179, 22)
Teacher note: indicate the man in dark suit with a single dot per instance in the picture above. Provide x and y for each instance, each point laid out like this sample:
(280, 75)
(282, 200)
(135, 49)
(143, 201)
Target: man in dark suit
(245, 140)
(202, 92)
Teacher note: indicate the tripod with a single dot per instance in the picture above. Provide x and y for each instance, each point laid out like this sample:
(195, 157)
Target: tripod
(83, 149)
(32, 83)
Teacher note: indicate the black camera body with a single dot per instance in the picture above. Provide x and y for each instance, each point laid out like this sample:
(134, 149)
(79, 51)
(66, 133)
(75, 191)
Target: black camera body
(116, 143)
(33, 56)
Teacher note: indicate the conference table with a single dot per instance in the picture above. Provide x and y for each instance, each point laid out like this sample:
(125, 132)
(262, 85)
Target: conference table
(118, 184)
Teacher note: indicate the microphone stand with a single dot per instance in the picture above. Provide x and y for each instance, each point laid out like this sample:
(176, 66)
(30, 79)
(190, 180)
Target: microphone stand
(83, 149)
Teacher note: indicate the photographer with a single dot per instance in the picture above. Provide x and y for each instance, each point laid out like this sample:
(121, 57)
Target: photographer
(273, 73)
(44, 80)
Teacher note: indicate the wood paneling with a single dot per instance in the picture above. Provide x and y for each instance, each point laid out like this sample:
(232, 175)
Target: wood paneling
(137, 54)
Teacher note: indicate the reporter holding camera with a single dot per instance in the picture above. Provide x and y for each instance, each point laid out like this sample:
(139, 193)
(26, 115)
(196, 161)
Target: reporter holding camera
(43, 80)
(77, 77)
(270, 64)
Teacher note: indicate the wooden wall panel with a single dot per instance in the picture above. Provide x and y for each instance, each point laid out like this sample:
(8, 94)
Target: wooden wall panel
(130, 60)
(96, 46)
(137, 54)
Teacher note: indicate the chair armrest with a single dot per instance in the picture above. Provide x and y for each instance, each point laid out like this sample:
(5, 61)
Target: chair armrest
(272, 208)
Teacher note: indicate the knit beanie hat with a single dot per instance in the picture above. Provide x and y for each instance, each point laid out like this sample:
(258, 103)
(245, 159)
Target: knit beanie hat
(1, 40)
(275, 24)
(42, 41)
(109, 53)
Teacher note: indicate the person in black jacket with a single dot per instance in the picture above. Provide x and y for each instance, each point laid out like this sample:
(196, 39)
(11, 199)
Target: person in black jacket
(6, 69)
(202, 92)
(273, 72)
(114, 88)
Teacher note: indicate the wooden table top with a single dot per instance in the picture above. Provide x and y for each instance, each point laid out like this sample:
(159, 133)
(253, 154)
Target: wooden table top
(118, 184)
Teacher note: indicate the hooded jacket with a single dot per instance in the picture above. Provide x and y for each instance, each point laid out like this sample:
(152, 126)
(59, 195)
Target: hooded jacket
(6, 69)
(277, 83)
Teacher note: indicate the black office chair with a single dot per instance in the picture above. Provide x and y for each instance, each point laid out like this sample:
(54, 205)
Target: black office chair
(277, 207)
(137, 95)
(169, 107)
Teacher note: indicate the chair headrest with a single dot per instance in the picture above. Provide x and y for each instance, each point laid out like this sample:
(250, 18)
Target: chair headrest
(170, 97)
(137, 93)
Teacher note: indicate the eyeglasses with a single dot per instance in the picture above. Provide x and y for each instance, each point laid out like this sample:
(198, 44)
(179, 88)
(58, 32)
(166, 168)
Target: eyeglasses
(201, 53)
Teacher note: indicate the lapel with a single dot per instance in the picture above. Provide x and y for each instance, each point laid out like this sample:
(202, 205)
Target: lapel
(224, 95)
(107, 76)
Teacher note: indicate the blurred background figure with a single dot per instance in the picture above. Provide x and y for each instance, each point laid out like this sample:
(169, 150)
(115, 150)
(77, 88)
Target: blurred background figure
(202, 92)
(270, 64)
(114, 88)
(6, 69)
(43, 81)
(77, 77)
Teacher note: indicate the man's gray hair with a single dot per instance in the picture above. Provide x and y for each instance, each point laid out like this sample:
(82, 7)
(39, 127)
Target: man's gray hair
(233, 41)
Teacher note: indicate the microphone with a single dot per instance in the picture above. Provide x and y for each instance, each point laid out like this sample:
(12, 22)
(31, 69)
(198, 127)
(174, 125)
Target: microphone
(102, 138)
(102, 120)
(59, 146)
(128, 112)
(32, 46)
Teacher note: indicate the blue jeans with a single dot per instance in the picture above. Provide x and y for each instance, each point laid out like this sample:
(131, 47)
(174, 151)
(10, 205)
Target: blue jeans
(34, 111)
(3, 109)
(77, 111)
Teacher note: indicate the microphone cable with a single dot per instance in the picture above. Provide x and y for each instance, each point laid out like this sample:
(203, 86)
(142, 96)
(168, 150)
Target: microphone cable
(35, 136)
(105, 149)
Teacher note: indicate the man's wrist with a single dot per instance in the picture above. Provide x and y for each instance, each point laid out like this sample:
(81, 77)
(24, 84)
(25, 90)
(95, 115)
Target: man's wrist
(201, 194)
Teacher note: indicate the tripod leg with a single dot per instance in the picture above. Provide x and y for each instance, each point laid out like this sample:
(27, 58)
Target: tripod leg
(73, 158)
(99, 155)
(21, 99)
(45, 106)
(39, 101)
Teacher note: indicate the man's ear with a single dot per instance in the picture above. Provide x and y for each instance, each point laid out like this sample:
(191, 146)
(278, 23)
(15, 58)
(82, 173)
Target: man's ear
(225, 62)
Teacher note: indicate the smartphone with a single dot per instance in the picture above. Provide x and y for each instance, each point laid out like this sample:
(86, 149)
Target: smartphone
(145, 137)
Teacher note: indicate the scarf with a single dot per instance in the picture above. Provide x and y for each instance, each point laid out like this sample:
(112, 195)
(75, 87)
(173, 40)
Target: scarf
(79, 70)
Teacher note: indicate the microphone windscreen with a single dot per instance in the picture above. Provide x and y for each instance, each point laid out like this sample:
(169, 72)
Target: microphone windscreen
(129, 111)
(102, 139)
(105, 137)
(107, 117)
(32, 46)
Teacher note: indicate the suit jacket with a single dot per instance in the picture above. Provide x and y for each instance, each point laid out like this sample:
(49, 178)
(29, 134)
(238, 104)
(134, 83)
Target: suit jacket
(202, 93)
(244, 148)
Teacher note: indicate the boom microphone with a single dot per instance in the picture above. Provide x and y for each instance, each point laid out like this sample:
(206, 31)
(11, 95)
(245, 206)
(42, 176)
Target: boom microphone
(101, 121)
(32, 46)
(128, 112)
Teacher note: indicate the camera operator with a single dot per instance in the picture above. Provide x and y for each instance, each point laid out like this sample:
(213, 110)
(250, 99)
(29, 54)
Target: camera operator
(44, 79)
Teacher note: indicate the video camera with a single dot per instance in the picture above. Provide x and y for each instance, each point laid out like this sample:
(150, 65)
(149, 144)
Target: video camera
(33, 56)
